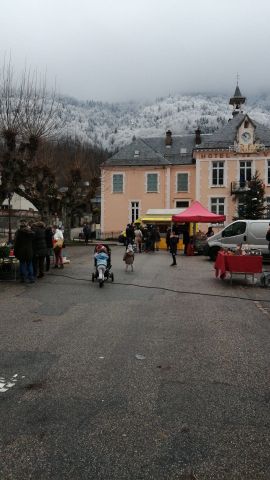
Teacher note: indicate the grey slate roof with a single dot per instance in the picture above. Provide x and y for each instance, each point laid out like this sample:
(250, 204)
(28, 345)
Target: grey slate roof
(147, 156)
(225, 136)
(153, 151)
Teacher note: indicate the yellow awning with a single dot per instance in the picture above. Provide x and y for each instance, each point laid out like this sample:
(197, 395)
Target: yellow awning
(156, 218)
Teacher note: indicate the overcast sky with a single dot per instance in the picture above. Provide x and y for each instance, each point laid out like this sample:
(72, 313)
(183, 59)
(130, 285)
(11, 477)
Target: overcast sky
(117, 50)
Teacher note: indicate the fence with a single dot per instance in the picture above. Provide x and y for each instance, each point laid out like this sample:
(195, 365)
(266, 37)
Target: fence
(110, 235)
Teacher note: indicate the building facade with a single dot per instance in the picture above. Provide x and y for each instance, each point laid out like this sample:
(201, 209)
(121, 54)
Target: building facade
(174, 171)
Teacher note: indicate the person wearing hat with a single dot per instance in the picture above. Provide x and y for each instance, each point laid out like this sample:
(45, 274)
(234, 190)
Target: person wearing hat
(128, 257)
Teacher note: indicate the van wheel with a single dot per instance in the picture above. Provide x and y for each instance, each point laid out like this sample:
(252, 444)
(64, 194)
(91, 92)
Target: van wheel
(213, 253)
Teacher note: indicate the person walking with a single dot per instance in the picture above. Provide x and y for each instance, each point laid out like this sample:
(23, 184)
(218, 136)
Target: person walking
(138, 239)
(129, 257)
(58, 240)
(23, 250)
(40, 248)
(173, 247)
(87, 233)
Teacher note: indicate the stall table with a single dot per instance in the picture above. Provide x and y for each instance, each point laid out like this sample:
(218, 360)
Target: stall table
(237, 264)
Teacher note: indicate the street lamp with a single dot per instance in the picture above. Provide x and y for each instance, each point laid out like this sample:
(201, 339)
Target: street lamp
(9, 218)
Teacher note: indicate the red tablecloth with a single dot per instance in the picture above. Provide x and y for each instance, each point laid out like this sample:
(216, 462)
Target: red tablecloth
(237, 264)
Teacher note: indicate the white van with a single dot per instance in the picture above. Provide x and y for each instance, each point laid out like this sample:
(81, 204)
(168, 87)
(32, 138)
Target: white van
(250, 232)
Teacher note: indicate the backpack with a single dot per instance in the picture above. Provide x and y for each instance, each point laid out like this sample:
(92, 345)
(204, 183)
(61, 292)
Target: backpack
(268, 235)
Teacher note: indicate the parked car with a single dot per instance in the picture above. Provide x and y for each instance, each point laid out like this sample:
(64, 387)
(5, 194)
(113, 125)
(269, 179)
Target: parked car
(249, 232)
(122, 237)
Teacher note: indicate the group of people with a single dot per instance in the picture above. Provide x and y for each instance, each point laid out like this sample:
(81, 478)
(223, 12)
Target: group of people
(145, 237)
(33, 244)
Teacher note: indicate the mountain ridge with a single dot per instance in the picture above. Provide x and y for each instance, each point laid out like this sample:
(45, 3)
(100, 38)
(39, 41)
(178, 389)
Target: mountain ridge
(112, 125)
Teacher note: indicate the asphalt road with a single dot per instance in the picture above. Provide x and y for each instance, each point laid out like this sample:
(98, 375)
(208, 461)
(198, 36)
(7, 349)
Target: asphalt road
(145, 381)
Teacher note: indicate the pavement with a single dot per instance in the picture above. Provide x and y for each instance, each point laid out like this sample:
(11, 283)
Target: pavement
(163, 374)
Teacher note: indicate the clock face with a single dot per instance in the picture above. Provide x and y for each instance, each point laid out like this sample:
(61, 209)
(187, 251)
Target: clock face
(245, 137)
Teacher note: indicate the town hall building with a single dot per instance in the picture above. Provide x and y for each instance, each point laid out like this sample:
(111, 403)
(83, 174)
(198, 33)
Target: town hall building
(172, 172)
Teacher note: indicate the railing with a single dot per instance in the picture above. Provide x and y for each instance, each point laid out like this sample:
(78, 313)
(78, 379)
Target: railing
(110, 235)
(239, 187)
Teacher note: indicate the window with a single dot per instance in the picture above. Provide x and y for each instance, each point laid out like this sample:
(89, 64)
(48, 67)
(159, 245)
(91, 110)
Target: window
(268, 172)
(241, 208)
(134, 211)
(181, 204)
(245, 172)
(182, 182)
(183, 150)
(218, 205)
(118, 183)
(217, 173)
(237, 228)
(152, 182)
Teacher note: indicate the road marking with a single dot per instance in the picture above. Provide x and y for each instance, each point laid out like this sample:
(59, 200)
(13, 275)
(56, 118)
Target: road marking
(7, 383)
(264, 310)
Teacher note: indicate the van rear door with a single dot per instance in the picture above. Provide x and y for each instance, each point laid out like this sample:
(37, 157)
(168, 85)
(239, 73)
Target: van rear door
(256, 235)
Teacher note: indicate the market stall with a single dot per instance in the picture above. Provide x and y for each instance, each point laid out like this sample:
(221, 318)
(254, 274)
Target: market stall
(226, 262)
(195, 214)
(162, 218)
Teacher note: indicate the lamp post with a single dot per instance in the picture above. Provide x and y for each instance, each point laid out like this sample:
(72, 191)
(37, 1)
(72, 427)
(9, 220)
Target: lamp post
(9, 219)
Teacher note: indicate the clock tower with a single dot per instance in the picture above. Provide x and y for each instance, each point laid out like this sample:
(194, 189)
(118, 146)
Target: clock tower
(237, 100)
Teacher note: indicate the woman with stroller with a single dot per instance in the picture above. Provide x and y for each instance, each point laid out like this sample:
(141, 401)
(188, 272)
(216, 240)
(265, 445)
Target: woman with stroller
(101, 260)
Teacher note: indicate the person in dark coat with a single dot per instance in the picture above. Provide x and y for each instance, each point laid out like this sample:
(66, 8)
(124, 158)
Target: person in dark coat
(157, 239)
(173, 246)
(130, 235)
(186, 238)
(49, 244)
(168, 234)
(87, 233)
(40, 248)
(23, 250)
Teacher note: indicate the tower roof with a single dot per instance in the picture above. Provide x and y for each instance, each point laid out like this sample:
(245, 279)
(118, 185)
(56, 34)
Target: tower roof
(238, 98)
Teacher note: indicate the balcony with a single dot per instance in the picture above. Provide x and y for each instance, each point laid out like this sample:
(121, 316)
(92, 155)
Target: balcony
(240, 187)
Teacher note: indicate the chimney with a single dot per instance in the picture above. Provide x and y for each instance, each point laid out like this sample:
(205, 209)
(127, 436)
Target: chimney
(168, 138)
(198, 139)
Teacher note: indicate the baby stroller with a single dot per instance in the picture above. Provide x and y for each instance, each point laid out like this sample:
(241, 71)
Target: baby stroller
(102, 264)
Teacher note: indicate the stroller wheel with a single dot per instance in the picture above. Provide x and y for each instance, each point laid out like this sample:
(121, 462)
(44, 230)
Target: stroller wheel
(93, 277)
(100, 283)
(112, 277)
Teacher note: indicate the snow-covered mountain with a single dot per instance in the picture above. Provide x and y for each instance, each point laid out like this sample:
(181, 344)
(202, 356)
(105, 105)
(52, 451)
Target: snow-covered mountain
(112, 125)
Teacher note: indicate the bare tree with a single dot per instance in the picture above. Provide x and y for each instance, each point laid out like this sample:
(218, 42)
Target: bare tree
(28, 117)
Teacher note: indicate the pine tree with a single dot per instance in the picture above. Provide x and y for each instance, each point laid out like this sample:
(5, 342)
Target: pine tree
(252, 204)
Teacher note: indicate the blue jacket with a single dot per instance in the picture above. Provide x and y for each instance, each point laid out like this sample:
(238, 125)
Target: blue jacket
(101, 259)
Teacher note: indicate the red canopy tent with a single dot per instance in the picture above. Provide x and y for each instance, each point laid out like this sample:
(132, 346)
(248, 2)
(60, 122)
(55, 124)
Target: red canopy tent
(196, 213)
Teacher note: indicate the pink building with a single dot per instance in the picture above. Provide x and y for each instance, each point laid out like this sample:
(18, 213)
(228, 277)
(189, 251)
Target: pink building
(173, 171)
